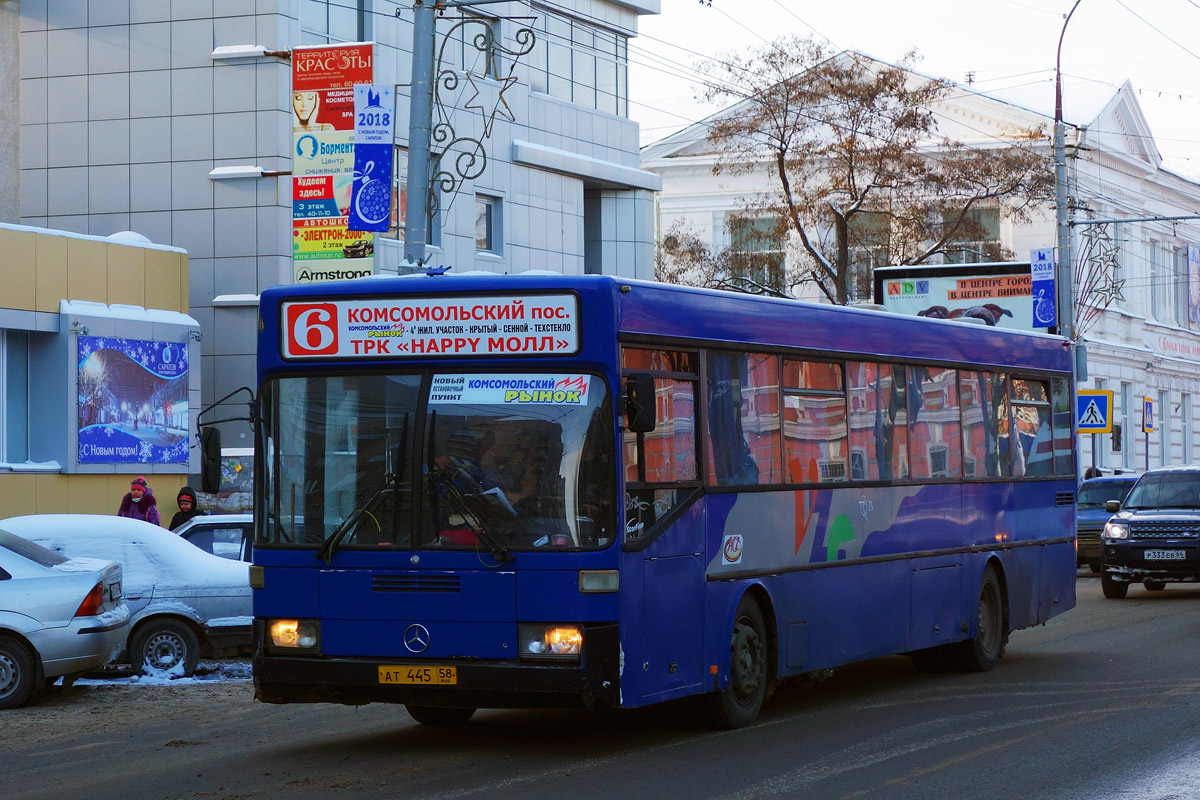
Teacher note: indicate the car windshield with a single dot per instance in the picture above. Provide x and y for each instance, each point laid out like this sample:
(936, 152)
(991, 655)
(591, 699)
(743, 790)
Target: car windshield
(1095, 495)
(1177, 490)
(503, 462)
(27, 549)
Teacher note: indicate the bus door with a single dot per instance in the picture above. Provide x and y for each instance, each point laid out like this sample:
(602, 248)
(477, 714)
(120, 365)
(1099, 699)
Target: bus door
(664, 530)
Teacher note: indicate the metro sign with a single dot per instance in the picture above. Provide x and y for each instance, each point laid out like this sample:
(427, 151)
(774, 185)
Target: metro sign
(421, 326)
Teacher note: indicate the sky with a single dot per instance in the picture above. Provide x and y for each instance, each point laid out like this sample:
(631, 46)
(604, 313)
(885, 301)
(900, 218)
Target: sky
(1008, 45)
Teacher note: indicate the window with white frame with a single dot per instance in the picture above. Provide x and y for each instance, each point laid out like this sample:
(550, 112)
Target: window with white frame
(478, 45)
(977, 239)
(1163, 427)
(433, 233)
(15, 432)
(1126, 432)
(1180, 269)
(1185, 418)
(1100, 452)
(756, 249)
(579, 62)
(332, 21)
(488, 225)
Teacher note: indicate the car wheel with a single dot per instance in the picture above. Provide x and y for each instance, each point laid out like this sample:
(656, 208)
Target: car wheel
(1113, 590)
(738, 704)
(17, 673)
(981, 652)
(433, 715)
(1154, 586)
(165, 646)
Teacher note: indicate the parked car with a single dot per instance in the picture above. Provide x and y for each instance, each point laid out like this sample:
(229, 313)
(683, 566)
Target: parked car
(185, 603)
(1153, 537)
(59, 617)
(225, 535)
(1092, 513)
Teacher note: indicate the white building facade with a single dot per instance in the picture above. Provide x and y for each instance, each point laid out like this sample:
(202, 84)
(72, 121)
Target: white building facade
(127, 107)
(1145, 344)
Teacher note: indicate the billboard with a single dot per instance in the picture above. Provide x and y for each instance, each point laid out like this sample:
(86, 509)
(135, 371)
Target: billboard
(132, 401)
(323, 115)
(998, 294)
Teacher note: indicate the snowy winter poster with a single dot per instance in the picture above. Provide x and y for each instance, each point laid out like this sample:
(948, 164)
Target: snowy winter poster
(133, 401)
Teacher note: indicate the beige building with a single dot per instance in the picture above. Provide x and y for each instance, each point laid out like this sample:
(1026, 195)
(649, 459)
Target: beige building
(94, 371)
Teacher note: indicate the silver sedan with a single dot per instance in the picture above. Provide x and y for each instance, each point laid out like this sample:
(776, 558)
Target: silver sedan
(58, 617)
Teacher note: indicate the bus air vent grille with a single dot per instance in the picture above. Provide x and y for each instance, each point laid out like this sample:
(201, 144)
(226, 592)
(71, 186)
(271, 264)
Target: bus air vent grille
(1064, 498)
(418, 582)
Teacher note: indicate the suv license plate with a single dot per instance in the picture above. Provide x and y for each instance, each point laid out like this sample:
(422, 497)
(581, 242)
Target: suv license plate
(425, 676)
(1164, 555)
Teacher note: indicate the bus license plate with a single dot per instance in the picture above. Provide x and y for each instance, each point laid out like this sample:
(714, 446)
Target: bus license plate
(427, 676)
(1164, 555)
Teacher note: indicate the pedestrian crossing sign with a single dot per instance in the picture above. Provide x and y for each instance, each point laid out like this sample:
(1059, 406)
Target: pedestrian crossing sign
(1093, 411)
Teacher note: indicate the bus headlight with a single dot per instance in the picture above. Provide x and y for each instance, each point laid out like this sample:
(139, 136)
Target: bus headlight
(293, 634)
(1116, 530)
(552, 641)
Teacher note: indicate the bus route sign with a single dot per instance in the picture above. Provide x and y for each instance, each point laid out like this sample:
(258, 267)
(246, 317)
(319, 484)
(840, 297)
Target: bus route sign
(414, 327)
(1093, 411)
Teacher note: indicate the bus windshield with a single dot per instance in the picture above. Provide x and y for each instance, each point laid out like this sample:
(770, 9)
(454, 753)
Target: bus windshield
(504, 462)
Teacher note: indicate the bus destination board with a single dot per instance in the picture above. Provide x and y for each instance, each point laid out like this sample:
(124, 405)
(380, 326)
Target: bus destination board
(417, 327)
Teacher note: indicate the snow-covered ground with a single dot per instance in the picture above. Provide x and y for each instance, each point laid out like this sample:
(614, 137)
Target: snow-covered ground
(207, 672)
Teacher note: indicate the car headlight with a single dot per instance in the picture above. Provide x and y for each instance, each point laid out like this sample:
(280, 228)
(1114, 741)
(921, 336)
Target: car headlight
(542, 641)
(293, 634)
(1116, 530)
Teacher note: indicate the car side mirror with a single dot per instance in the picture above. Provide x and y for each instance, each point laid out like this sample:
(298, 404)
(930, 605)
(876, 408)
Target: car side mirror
(210, 460)
(639, 403)
(1112, 506)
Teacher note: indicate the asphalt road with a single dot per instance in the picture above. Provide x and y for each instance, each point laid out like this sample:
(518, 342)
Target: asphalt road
(1100, 703)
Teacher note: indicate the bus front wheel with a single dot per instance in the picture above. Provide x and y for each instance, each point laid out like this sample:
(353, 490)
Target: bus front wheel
(433, 715)
(981, 652)
(738, 704)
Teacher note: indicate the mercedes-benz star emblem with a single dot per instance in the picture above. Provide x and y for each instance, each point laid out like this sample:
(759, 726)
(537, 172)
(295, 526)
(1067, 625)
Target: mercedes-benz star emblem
(416, 638)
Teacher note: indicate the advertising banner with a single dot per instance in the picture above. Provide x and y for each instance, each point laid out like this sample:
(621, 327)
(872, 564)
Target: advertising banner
(374, 122)
(323, 81)
(132, 401)
(418, 326)
(1041, 273)
(995, 294)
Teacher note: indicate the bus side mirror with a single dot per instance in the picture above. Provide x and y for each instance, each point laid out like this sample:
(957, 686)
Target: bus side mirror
(210, 460)
(639, 403)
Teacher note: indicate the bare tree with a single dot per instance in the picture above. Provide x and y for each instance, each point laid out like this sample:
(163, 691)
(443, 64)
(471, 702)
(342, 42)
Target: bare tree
(856, 163)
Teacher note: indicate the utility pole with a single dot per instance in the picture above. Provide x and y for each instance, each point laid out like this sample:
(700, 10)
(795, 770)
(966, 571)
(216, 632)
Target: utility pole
(1065, 282)
(420, 124)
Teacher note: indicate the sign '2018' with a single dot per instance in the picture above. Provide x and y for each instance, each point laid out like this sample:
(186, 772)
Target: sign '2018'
(374, 120)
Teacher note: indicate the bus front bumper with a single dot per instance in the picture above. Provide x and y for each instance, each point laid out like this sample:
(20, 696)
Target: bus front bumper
(480, 684)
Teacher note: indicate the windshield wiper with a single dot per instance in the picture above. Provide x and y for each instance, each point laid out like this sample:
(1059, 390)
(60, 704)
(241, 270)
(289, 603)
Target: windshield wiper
(474, 519)
(325, 551)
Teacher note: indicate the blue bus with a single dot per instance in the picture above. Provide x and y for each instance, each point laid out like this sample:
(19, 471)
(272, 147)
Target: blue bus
(486, 491)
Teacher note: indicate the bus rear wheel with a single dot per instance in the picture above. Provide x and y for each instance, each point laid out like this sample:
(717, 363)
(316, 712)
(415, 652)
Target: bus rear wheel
(738, 704)
(981, 652)
(434, 715)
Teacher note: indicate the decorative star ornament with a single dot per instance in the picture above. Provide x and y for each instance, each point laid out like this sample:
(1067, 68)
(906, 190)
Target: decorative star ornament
(488, 99)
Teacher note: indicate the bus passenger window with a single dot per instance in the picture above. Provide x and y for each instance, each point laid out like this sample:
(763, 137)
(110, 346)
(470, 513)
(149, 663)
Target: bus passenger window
(933, 425)
(743, 419)
(814, 422)
(1033, 452)
(879, 418)
(985, 424)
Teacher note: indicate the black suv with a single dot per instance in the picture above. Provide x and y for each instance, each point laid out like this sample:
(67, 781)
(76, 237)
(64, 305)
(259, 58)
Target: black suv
(1153, 537)
(1092, 512)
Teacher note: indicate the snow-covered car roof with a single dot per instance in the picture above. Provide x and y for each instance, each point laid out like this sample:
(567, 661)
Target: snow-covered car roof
(163, 560)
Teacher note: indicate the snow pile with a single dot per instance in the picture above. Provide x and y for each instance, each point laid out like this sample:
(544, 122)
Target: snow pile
(206, 672)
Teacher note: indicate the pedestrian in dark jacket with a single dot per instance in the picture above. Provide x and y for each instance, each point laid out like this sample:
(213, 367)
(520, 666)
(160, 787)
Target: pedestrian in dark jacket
(139, 502)
(187, 507)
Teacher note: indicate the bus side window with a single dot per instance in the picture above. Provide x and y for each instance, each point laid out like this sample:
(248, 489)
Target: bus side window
(743, 419)
(878, 419)
(655, 463)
